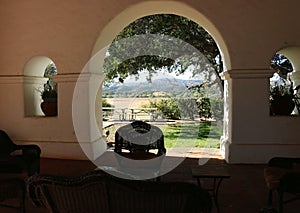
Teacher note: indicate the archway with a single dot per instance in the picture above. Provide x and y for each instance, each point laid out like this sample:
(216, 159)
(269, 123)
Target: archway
(188, 99)
(160, 7)
(143, 9)
(34, 81)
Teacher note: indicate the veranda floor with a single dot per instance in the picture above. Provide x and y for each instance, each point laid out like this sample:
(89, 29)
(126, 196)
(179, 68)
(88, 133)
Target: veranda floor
(244, 192)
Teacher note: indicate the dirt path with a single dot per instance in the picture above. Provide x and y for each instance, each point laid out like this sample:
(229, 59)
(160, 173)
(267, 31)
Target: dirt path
(130, 102)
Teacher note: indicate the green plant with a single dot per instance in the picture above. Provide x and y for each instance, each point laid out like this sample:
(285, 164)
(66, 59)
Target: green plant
(168, 107)
(278, 90)
(186, 135)
(49, 92)
(279, 83)
(281, 95)
(105, 103)
(49, 95)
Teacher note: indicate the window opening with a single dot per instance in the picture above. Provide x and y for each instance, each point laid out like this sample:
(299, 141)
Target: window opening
(284, 99)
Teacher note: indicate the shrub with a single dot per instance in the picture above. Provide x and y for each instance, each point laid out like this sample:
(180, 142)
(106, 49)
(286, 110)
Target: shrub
(168, 107)
(105, 103)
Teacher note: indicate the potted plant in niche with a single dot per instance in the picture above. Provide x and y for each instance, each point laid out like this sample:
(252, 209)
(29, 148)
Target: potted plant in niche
(49, 93)
(281, 96)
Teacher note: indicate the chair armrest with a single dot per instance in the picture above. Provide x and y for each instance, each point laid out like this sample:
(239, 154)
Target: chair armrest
(284, 162)
(290, 182)
(31, 150)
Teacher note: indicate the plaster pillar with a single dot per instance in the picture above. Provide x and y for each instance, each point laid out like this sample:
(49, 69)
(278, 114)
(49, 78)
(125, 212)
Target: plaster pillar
(87, 114)
(246, 104)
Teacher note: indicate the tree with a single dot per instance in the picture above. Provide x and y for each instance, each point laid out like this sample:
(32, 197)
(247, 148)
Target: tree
(169, 25)
(203, 59)
(105, 103)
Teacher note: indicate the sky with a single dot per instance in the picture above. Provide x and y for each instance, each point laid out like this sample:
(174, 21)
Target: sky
(187, 75)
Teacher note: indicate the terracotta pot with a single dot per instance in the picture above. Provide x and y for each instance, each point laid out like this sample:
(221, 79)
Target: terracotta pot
(49, 108)
(283, 105)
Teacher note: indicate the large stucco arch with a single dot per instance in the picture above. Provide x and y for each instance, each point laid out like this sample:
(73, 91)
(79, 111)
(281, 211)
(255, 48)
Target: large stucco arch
(34, 80)
(139, 10)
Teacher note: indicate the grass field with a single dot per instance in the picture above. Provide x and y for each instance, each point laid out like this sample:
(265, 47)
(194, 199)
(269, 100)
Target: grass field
(203, 134)
(180, 135)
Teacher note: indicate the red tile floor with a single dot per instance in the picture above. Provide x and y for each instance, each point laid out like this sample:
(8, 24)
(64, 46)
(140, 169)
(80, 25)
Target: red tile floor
(244, 192)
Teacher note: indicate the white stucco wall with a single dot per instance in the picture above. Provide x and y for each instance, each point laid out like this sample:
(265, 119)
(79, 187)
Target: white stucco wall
(69, 32)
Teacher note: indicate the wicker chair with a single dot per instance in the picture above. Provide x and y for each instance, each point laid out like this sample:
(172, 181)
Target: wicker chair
(283, 176)
(13, 188)
(18, 158)
(16, 162)
(139, 137)
(98, 192)
(140, 148)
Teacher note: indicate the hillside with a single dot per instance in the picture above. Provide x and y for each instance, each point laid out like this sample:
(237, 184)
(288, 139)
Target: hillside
(164, 87)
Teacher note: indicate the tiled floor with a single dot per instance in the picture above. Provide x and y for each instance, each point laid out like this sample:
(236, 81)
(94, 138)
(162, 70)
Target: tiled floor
(244, 192)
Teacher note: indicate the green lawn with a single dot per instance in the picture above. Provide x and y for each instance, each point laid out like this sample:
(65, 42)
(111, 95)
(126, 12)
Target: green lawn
(203, 134)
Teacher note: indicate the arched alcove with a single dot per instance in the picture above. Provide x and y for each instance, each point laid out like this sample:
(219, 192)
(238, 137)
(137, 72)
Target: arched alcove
(286, 77)
(34, 82)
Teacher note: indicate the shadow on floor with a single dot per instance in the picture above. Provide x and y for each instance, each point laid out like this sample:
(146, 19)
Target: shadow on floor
(244, 192)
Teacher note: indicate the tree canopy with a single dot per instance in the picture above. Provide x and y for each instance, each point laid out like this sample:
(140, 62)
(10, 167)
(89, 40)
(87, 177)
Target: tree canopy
(169, 25)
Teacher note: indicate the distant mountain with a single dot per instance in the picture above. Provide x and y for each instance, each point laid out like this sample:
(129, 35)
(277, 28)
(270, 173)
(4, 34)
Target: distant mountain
(163, 86)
